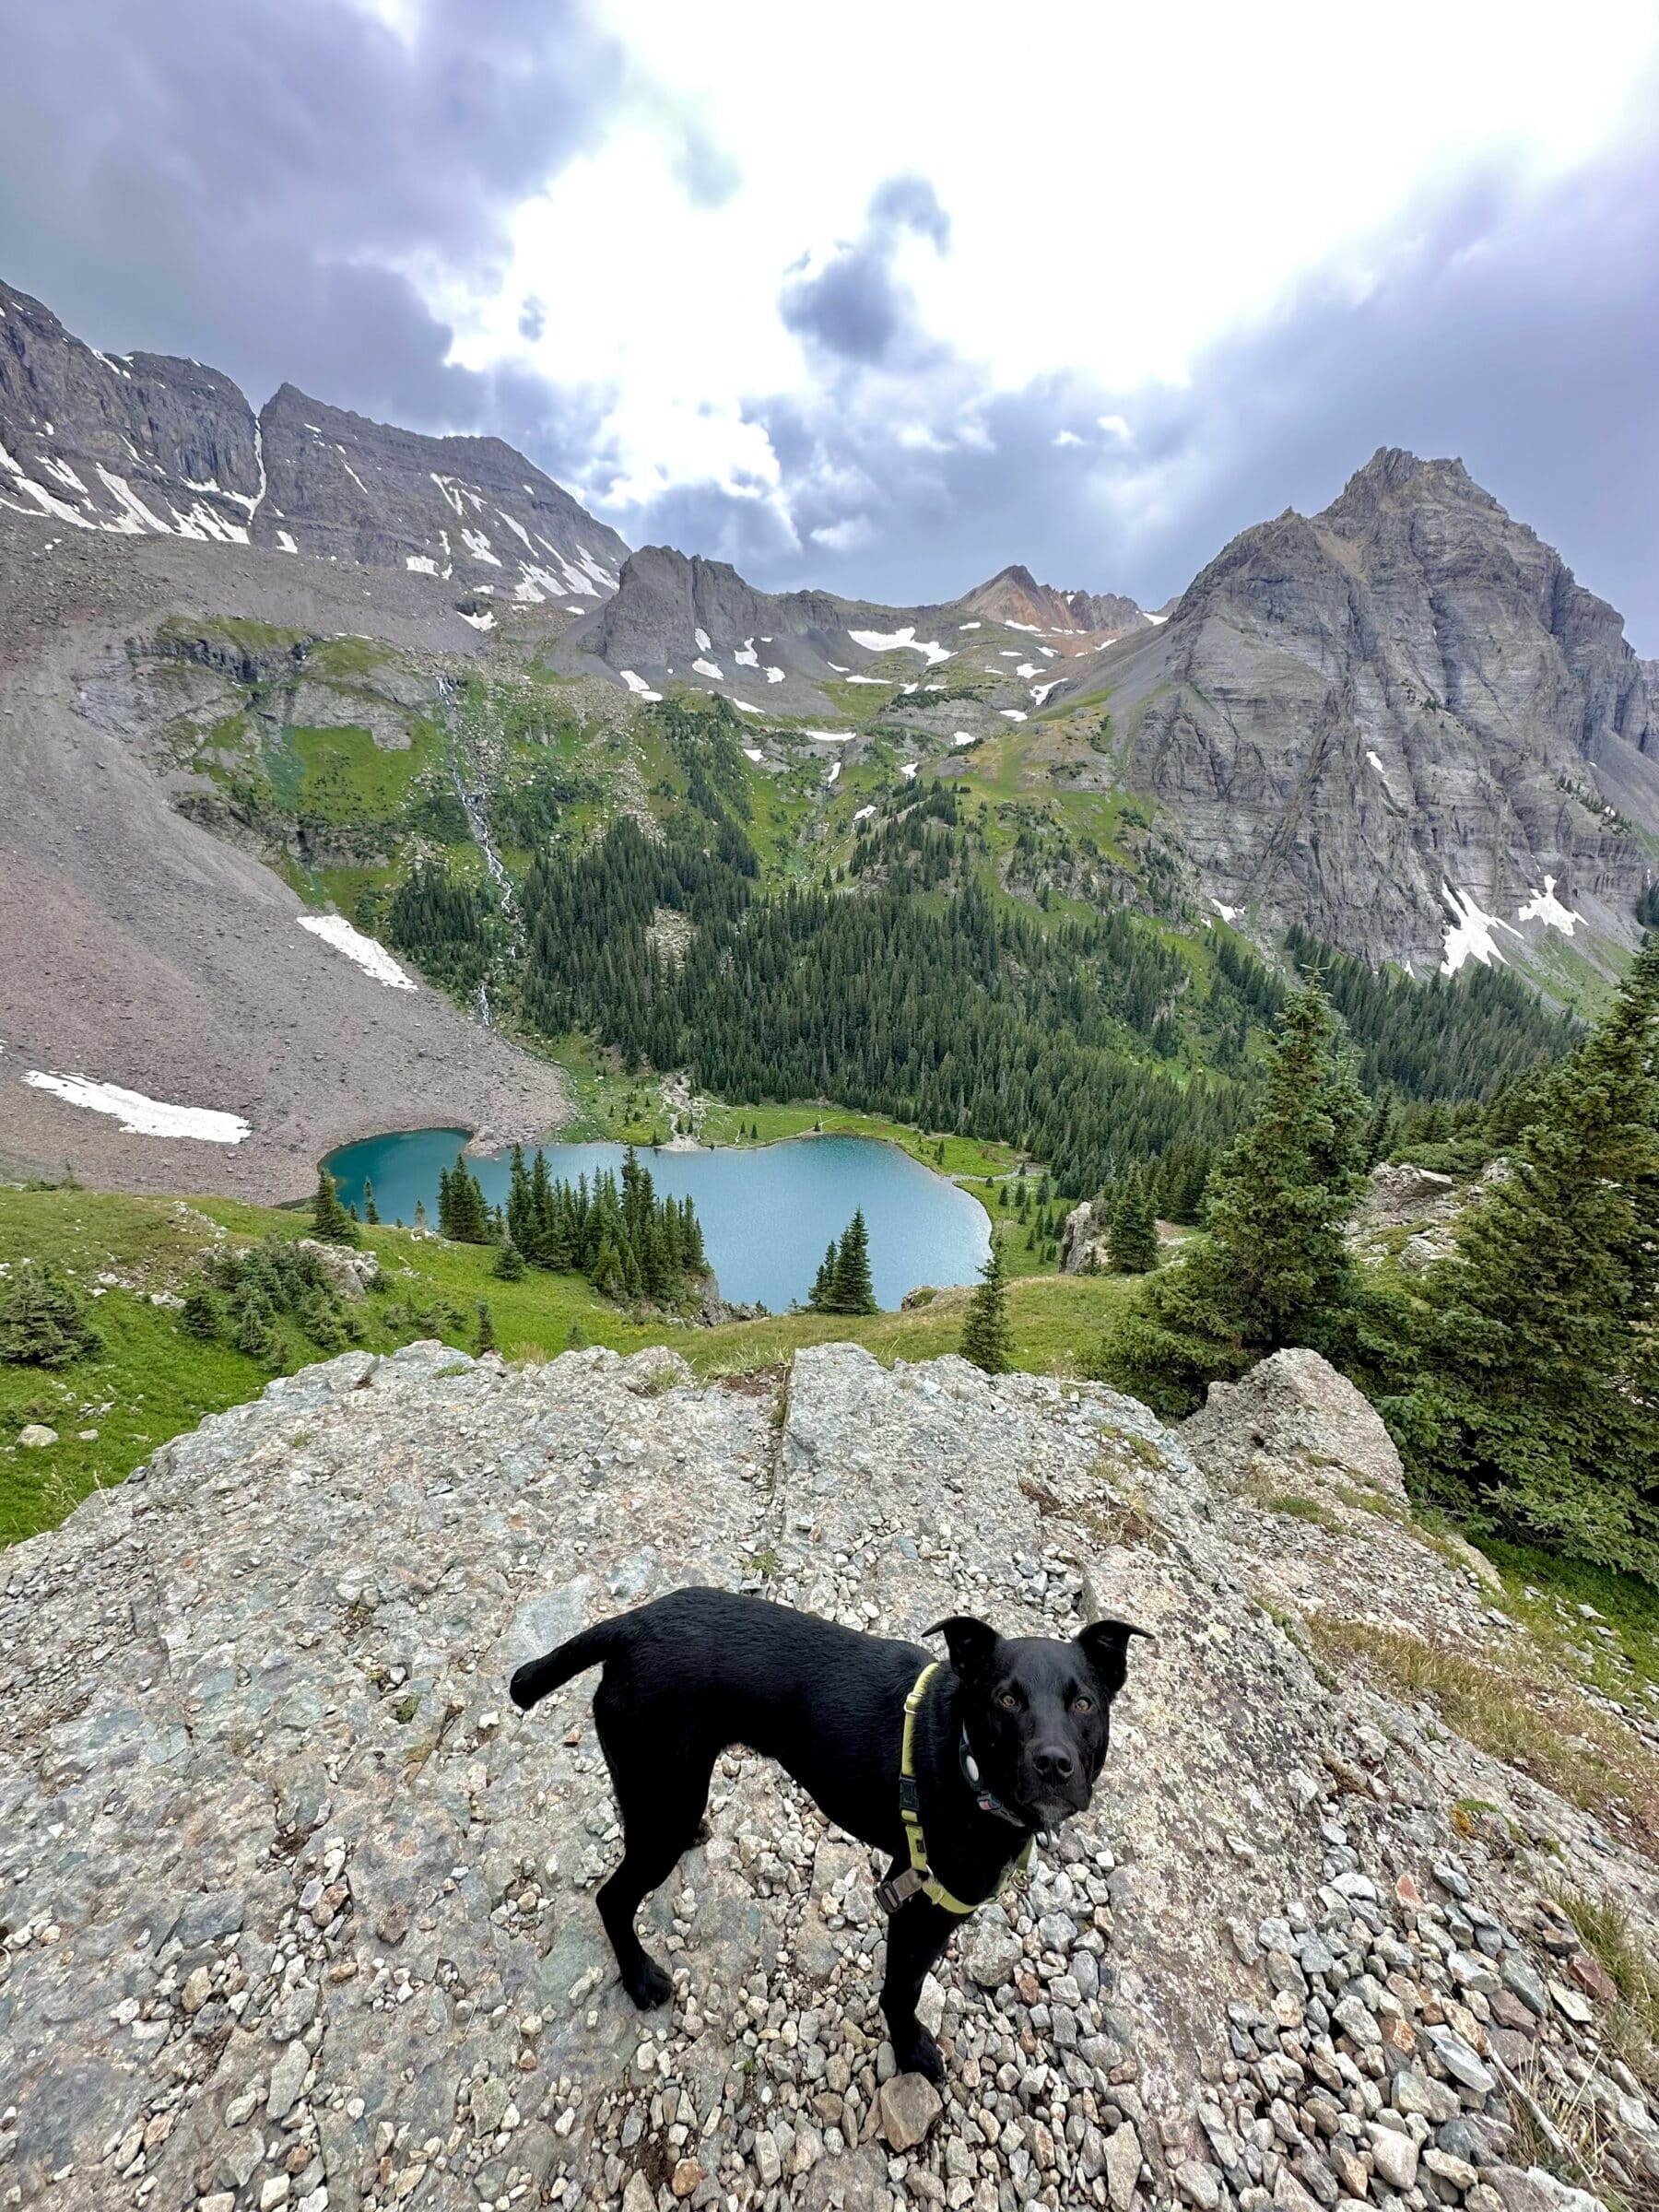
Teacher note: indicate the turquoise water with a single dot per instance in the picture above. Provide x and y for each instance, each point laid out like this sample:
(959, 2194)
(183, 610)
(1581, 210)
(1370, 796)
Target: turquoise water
(766, 1213)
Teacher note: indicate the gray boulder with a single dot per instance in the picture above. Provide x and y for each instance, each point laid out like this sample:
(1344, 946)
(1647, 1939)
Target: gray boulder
(1295, 1414)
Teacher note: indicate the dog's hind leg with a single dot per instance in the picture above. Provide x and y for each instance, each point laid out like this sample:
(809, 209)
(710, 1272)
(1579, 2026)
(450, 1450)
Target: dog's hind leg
(661, 1792)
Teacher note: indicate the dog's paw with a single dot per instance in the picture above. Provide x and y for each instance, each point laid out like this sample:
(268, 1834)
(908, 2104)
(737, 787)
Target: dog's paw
(920, 2054)
(647, 1985)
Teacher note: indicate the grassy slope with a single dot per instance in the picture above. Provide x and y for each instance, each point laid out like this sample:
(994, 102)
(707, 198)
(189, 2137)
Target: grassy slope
(154, 1380)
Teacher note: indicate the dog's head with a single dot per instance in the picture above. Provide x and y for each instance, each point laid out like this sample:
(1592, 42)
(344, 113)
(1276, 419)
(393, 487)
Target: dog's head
(1038, 1712)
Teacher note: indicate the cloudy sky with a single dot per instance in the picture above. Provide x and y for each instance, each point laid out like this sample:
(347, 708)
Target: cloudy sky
(882, 296)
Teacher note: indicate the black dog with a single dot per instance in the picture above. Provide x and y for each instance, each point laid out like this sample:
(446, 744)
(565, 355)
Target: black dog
(1005, 1740)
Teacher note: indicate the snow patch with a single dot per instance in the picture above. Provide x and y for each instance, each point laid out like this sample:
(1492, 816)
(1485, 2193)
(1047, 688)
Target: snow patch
(709, 667)
(484, 622)
(831, 737)
(880, 680)
(1544, 906)
(638, 685)
(863, 814)
(774, 675)
(753, 752)
(285, 540)
(1040, 691)
(892, 641)
(1469, 933)
(745, 657)
(835, 767)
(971, 626)
(703, 640)
(1376, 763)
(1155, 618)
(1227, 914)
(422, 563)
(479, 547)
(1012, 714)
(909, 770)
(140, 1116)
(372, 958)
(963, 738)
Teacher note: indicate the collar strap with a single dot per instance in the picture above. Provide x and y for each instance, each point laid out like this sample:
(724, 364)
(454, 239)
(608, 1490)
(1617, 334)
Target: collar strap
(986, 1799)
(918, 1878)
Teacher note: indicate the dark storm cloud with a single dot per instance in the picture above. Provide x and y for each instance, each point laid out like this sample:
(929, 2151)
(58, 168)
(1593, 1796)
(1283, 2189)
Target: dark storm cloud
(241, 183)
(1514, 327)
(855, 307)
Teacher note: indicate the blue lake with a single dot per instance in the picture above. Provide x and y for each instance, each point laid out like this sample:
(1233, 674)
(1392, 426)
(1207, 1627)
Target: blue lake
(767, 1212)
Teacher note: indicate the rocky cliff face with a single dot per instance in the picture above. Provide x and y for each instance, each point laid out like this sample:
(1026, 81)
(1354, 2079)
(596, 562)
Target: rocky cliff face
(139, 445)
(298, 1911)
(459, 509)
(1400, 723)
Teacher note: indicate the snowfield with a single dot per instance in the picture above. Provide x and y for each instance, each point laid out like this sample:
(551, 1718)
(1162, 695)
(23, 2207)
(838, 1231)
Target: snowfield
(140, 1116)
(372, 958)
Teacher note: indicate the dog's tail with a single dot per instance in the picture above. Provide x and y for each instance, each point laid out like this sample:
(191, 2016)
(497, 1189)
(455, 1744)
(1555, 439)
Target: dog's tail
(538, 1679)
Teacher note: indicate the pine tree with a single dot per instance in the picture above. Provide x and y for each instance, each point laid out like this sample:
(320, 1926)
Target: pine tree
(329, 1219)
(1275, 1268)
(851, 1290)
(371, 1212)
(510, 1262)
(576, 1337)
(1379, 1130)
(823, 1282)
(1536, 1396)
(987, 1338)
(486, 1341)
(202, 1313)
(1133, 1236)
(41, 1323)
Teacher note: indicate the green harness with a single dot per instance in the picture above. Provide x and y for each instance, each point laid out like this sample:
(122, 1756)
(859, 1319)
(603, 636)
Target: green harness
(918, 1878)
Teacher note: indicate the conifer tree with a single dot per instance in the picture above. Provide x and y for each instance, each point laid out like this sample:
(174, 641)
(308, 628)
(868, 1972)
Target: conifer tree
(851, 1290)
(371, 1212)
(330, 1219)
(987, 1338)
(201, 1313)
(1133, 1236)
(486, 1341)
(576, 1337)
(41, 1323)
(1536, 1394)
(823, 1282)
(1273, 1269)
(510, 1262)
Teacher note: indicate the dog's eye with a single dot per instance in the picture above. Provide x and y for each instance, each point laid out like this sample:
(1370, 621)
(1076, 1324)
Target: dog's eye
(1006, 1699)
(1082, 1704)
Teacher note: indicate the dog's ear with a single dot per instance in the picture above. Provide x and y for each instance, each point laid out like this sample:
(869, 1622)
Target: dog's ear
(1105, 1645)
(972, 1643)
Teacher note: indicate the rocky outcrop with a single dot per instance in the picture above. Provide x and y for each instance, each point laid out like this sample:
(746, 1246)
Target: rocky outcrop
(1293, 1419)
(1085, 1240)
(141, 444)
(1400, 723)
(298, 1911)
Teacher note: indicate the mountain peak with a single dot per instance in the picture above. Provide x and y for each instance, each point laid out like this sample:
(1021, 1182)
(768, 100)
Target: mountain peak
(1015, 596)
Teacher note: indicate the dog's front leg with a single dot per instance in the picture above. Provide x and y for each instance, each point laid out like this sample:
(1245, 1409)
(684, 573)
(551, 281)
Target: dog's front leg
(917, 1933)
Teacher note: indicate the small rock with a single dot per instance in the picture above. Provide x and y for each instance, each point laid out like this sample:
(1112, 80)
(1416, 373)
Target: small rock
(1200, 2184)
(34, 1435)
(906, 2108)
(1394, 2154)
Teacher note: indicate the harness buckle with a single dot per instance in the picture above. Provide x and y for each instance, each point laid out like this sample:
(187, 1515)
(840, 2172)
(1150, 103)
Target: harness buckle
(897, 1890)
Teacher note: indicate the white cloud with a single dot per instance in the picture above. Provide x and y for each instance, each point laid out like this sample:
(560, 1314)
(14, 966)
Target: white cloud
(670, 305)
(845, 537)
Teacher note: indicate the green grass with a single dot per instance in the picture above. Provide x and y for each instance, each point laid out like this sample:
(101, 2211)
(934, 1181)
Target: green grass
(154, 1380)
(1627, 1657)
(345, 777)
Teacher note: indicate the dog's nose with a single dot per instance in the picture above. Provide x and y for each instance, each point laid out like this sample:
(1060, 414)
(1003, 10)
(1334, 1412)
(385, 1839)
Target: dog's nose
(1054, 1762)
